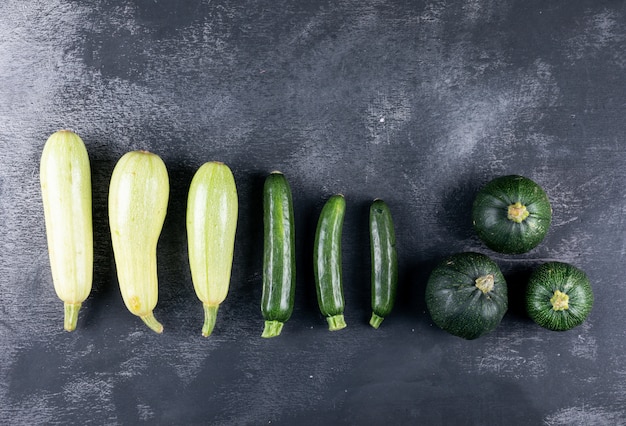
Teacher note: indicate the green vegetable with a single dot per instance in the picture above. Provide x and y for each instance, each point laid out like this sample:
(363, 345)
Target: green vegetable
(138, 197)
(65, 178)
(279, 255)
(327, 265)
(466, 295)
(384, 261)
(511, 214)
(558, 296)
(212, 209)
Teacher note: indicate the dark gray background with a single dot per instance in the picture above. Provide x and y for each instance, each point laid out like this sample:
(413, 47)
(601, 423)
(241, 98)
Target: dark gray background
(419, 103)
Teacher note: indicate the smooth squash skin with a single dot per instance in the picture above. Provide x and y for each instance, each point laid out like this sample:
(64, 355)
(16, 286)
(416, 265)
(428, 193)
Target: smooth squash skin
(466, 295)
(559, 296)
(279, 254)
(384, 261)
(511, 214)
(327, 266)
(65, 178)
(138, 196)
(212, 212)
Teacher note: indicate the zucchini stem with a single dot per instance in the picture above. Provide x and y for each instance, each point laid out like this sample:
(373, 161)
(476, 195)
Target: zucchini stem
(559, 301)
(376, 320)
(485, 283)
(272, 329)
(152, 323)
(517, 212)
(71, 315)
(210, 315)
(336, 322)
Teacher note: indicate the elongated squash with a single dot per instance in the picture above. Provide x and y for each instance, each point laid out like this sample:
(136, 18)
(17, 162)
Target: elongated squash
(384, 261)
(327, 265)
(65, 178)
(279, 254)
(212, 208)
(138, 197)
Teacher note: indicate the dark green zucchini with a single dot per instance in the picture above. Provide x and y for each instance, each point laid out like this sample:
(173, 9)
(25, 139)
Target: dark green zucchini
(279, 256)
(558, 296)
(466, 295)
(511, 214)
(327, 262)
(384, 261)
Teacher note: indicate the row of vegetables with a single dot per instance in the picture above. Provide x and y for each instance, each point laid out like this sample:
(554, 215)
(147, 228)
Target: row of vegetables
(466, 294)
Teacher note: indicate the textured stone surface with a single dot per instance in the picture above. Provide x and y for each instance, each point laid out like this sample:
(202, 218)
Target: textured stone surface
(418, 103)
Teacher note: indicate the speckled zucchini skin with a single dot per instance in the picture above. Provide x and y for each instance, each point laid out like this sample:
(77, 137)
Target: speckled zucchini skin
(327, 264)
(384, 261)
(279, 254)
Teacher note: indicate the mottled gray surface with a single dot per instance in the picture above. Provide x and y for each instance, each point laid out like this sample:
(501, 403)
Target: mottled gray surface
(419, 103)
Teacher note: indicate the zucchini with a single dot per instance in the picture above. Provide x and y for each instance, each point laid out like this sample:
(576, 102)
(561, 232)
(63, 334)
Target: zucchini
(65, 178)
(558, 296)
(511, 214)
(467, 295)
(138, 197)
(212, 209)
(327, 265)
(279, 254)
(384, 261)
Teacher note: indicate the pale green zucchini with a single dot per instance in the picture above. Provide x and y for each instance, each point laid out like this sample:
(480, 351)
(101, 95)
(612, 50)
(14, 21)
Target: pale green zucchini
(212, 209)
(138, 197)
(65, 178)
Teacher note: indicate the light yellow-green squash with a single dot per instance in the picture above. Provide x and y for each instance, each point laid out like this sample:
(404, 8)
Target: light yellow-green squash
(66, 192)
(138, 197)
(212, 208)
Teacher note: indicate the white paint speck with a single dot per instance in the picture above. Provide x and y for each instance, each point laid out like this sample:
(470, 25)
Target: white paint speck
(145, 412)
(585, 346)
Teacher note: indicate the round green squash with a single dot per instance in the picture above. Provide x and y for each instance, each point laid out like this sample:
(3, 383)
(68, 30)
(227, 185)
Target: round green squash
(466, 295)
(511, 214)
(558, 296)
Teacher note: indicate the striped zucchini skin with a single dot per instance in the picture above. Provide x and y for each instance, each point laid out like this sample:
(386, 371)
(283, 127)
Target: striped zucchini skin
(384, 261)
(511, 214)
(553, 281)
(212, 211)
(65, 178)
(279, 254)
(327, 264)
(138, 196)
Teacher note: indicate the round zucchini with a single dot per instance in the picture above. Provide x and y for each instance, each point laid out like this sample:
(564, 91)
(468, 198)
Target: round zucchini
(279, 254)
(558, 296)
(384, 261)
(511, 214)
(327, 265)
(466, 295)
